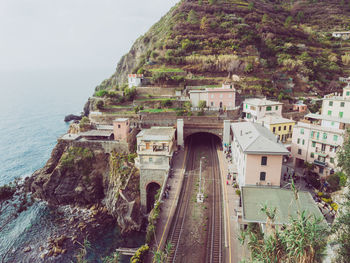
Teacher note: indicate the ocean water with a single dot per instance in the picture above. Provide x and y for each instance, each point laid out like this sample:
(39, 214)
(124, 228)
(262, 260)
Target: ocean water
(33, 105)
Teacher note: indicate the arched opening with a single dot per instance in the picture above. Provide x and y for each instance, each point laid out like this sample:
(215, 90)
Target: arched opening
(203, 136)
(151, 191)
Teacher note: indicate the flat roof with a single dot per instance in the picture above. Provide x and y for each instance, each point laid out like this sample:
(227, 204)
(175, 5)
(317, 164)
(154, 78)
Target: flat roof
(318, 127)
(257, 139)
(327, 118)
(157, 134)
(262, 102)
(121, 119)
(97, 133)
(255, 197)
(274, 119)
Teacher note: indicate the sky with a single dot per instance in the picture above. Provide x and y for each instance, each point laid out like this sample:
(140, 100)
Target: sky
(72, 34)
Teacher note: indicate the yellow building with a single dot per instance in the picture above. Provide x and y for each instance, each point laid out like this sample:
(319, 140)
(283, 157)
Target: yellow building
(281, 127)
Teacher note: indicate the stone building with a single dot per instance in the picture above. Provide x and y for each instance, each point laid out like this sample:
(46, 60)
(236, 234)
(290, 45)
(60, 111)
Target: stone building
(345, 35)
(135, 80)
(155, 148)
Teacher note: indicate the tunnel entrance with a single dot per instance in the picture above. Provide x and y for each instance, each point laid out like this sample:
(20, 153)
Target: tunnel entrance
(203, 137)
(151, 192)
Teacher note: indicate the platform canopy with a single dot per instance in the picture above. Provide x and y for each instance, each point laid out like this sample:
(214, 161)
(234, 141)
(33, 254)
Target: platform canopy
(255, 197)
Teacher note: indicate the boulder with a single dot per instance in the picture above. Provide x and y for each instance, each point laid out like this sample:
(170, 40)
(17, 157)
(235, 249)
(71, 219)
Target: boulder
(72, 117)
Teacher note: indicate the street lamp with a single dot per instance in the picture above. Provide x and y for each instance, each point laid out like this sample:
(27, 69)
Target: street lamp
(200, 196)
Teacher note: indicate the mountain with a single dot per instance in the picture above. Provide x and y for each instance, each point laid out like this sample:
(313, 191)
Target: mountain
(274, 47)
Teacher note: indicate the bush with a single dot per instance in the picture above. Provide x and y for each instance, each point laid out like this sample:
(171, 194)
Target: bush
(313, 179)
(166, 103)
(139, 254)
(101, 93)
(238, 192)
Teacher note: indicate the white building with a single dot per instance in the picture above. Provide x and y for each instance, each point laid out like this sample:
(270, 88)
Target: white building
(345, 35)
(257, 154)
(135, 80)
(254, 109)
(320, 136)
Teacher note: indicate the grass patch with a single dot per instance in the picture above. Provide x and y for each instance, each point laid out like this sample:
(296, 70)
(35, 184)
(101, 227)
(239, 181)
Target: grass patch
(159, 110)
(165, 69)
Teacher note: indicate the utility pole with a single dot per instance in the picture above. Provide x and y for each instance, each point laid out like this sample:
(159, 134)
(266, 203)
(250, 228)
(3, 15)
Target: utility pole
(200, 196)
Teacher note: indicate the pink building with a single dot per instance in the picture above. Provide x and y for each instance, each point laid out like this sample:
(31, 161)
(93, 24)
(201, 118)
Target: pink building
(215, 98)
(257, 154)
(300, 107)
(121, 129)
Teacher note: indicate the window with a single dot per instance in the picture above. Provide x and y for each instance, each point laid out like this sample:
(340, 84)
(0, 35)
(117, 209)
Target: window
(248, 116)
(340, 114)
(348, 93)
(303, 142)
(299, 151)
(312, 155)
(329, 113)
(262, 176)
(221, 96)
(285, 128)
(268, 108)
(313, 144)
(332, 123)
(324, 136)
(118, 126)
(279, 128)
(211, 103)
(150, 159)
(276, 107)
(335, 138)
(246, 106)
(312, 134)
(342, 104)
(274, 129)
(321, 170)
(298, 141)
(318, 135)
(290, 127)
(331, 160)
(301, 131)
(212, 96)
(263, 160)
(331, 103)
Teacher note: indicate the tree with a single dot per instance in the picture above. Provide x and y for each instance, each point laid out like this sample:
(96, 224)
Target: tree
(204, 24)
(288, 21)
(202, 104)
(342, 225)
(100, 104)
(302, 240)
(192, 17)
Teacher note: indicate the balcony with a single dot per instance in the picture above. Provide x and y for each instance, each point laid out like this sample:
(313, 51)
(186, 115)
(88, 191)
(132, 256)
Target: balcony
(320, 163)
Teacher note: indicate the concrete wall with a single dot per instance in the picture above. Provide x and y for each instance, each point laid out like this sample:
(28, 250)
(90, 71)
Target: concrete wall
(107, 146)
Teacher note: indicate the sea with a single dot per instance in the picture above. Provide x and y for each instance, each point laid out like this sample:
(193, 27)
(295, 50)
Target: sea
(33, 105)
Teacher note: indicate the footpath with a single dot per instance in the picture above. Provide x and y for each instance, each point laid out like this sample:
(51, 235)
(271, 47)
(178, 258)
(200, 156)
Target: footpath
(168, 205)
(233, 251)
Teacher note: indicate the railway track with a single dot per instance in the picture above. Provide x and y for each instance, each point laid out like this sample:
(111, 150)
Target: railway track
(214, 238)
(185, 197)
(214, 245)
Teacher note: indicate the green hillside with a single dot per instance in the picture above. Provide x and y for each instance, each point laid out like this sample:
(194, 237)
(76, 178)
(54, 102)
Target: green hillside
(270, 45)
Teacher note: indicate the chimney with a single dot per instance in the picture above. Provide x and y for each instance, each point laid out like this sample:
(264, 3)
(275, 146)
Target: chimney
(241, 133)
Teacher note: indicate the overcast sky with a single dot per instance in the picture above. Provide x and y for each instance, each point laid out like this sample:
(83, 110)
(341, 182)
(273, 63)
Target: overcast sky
(77, 34)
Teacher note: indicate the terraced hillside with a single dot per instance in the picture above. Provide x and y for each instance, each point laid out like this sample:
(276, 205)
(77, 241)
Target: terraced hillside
(276, 48)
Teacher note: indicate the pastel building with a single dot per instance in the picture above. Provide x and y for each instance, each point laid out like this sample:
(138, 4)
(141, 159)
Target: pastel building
(300, 107)
(121, 129)
(155, 148)
(257, 154)
(135, 80)
(215, 98)
(281, 127)
(254, 109)
(317, 139)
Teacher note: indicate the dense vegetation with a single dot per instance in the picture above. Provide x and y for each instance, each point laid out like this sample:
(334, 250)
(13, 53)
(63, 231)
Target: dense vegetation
(267, 42)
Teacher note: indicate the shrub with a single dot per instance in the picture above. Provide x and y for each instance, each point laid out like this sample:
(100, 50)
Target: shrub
(248, 68)
(139, 254)
(202, 104)
(238, 192)
(101, 93)
(166, 103)
(84, 123)
(130, 93)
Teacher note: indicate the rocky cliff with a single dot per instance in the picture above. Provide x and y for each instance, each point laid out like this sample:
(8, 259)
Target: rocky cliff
(89, 176)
